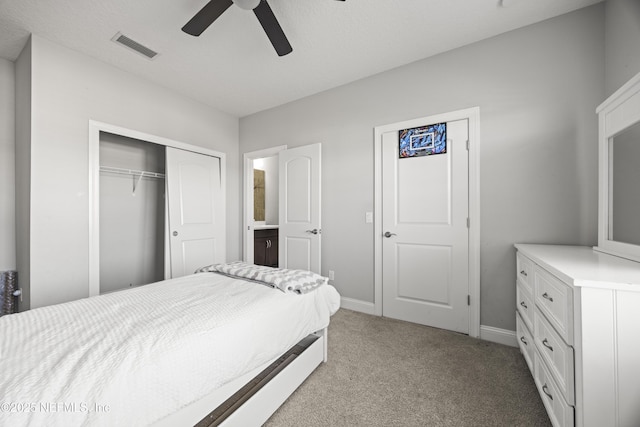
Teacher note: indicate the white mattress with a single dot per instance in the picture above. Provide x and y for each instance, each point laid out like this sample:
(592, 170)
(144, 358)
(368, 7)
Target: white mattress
(133, 357)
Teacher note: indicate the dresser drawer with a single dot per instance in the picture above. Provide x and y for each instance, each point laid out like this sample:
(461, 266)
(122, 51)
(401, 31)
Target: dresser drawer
(555, 301)
(524, 267)
(559, 411)
(557, 355)
(525, 305)
(525, 341)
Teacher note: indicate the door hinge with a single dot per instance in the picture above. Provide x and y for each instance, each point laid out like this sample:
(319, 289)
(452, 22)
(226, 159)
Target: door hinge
(468, 299)
(468, 222)
(467, 145)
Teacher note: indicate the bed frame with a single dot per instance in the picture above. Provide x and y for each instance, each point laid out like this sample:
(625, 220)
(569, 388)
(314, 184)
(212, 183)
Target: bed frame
(274, 388)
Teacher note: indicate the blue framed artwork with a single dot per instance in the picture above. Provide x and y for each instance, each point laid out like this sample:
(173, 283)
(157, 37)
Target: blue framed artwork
(423, 141)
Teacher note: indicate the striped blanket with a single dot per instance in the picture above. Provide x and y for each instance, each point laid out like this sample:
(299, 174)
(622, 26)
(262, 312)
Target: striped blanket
(289, 281)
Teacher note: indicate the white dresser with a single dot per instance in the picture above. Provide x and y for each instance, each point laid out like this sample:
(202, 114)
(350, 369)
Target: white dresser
(578, 327)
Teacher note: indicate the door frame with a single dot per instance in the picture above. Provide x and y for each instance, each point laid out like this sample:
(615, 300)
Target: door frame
(247, 190)
(95, 127)
(473, 116)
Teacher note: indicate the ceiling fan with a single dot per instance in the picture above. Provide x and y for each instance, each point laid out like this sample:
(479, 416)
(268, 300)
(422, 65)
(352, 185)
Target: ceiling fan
(212, 11)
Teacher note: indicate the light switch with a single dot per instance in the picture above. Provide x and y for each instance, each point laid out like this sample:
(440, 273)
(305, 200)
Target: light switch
(368, 217)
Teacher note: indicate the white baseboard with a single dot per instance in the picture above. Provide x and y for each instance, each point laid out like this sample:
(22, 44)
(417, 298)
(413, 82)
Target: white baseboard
(357, 305)
(500, 336)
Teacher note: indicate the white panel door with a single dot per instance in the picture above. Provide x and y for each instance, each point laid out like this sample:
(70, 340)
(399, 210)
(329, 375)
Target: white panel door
(425, 246)
(299, 212)
(196, 211)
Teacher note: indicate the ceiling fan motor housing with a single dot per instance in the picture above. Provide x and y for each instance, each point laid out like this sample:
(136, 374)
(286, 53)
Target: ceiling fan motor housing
(247, 4)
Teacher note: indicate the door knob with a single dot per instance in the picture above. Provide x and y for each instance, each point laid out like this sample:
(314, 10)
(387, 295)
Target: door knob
(314, 231)
(389, 234)
(175, 233)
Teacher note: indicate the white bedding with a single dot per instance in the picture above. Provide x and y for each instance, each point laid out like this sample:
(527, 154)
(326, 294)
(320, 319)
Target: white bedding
(133, 357)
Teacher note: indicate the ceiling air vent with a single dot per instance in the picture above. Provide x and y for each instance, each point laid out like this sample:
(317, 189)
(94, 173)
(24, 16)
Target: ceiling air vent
(134, 45)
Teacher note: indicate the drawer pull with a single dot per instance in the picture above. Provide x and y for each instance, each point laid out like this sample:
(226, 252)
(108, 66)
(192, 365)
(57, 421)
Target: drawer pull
(524, 273)
(544, 389)
(523, 304)
(546, 344)
(524, 341)
(546, 296)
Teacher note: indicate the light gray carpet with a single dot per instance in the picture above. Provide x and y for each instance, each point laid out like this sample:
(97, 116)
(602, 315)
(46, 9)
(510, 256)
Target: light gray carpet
(385, 372)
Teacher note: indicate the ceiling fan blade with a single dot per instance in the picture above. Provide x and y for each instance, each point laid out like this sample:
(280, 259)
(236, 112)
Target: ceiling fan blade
(209, 13)
(272, 28)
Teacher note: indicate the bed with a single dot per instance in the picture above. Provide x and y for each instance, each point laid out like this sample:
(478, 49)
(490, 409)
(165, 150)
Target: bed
(167, 353)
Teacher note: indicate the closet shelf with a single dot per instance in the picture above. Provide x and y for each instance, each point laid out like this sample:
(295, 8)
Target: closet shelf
(133, 172)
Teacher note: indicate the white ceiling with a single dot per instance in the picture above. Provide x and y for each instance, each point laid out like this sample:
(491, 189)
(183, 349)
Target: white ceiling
(232, 65)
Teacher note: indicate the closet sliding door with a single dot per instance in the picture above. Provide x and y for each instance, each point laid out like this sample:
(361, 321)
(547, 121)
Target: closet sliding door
(196, 211)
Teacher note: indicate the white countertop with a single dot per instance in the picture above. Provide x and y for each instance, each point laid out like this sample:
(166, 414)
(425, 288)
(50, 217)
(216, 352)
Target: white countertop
(582, 266)
(265, 227)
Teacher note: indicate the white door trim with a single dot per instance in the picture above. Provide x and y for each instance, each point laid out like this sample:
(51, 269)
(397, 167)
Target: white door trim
(247, 189)
(473, 116)
(95, 128)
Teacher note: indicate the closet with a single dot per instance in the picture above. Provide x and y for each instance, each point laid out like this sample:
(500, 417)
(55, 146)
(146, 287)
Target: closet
(157, 208)
(132, 212)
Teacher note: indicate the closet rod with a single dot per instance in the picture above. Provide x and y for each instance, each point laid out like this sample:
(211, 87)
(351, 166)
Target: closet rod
(133, 172)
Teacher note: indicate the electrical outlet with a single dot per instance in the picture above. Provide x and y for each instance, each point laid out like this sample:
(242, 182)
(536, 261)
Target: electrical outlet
(331, 275)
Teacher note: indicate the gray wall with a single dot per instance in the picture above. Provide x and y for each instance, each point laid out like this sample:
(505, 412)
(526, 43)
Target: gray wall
(537, 89)
(7, 166)
(622, 62)
(68, 89)
(23, 173)
(622, 38)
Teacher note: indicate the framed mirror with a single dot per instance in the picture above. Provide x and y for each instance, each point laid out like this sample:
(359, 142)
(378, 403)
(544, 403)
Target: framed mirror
(619, 172)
